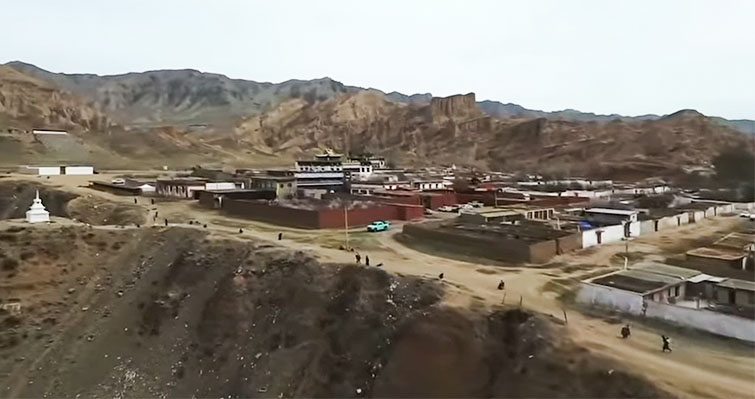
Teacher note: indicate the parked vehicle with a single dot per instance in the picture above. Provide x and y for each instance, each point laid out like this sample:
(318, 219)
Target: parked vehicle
(378, 225)
(447, 208)
(475, 204)
(745, 215)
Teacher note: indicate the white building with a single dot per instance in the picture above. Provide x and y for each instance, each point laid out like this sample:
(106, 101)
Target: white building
(358, 170)
(611, 216)
(61, 170)
(428, 184)
(78, 170)
(51, 132)
(37, 212)
(220, 186)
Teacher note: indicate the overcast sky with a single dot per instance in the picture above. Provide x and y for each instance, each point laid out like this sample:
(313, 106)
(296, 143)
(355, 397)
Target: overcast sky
(627, 57)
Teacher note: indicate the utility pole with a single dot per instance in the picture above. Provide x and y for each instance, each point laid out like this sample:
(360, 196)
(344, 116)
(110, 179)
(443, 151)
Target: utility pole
(346, 224)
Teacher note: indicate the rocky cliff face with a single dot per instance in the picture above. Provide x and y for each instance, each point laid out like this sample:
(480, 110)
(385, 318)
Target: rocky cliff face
(28, 103)
(461, 105)
(455, 131)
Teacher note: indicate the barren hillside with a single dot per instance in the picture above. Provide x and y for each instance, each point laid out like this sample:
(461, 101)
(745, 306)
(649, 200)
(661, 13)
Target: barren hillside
(454, 129)
(173, 312)
(181, 97)
(27, 102)
(185, 117)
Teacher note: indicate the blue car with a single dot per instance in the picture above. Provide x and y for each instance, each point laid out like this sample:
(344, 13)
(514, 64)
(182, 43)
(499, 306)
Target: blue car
(378, 225)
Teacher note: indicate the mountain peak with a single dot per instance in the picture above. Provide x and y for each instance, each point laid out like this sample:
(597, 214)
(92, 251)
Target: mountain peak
(684, 114)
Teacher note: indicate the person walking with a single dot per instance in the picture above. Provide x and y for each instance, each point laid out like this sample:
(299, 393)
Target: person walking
(366, 260)
(358, 257)
(625, 332)
(280, 236)
(135, 200)
(666, 343)
(501, 285)
(166, 222)
(440, 276)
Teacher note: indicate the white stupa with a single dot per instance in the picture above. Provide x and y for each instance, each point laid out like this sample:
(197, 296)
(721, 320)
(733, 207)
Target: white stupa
(37, 212)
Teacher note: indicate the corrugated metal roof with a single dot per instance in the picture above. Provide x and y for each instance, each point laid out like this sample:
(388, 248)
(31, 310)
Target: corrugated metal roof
(706, 277)
(668, 270)
(723, 253)
(611, 211)
(650, 276)
(736, 240)
(738, 284)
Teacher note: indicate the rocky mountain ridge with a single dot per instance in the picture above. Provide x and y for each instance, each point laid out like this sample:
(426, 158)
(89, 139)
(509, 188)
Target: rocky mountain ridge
(185, 97)
(163, 116)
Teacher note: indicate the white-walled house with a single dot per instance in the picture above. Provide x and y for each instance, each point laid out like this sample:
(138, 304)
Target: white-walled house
(59, 170)
(78, 170)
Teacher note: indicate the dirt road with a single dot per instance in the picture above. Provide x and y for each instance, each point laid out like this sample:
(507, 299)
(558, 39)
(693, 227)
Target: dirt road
(699, 367)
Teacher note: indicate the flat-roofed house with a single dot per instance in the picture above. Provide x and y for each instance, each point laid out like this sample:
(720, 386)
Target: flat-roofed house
(611, 216)
(736, 292)
(283, 186)
(180, 188)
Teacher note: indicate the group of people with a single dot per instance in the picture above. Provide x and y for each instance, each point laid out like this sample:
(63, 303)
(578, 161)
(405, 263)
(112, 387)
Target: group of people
(358, 259)
(626, 332)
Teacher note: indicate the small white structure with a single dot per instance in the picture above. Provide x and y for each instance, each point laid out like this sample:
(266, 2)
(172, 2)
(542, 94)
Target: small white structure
(147, 189)
(44, 170)
(37, 212)
(220, 186)
(78, 170)
(52, 132)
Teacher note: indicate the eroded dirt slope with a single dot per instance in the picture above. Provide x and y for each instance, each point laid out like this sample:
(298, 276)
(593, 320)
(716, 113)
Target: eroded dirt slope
(155, 312)
(17, 196)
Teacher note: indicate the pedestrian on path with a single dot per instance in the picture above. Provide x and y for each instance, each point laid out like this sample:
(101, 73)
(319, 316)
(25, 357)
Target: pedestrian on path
(358, 257)
(625, 332)
(501, 285)
(367, 260)
(241, 231)
(166, 222)
(666, 343)
(135, 200)
(280, 236)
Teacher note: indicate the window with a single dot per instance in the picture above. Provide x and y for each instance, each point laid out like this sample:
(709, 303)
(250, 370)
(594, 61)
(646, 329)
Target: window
(676, 291)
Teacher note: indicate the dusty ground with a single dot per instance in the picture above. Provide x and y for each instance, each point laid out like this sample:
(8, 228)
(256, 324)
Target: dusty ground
(179, 312)
(16, 196)
(701, 366)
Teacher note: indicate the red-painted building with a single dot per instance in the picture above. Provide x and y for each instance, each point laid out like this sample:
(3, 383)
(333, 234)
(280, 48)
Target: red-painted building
(321, 217)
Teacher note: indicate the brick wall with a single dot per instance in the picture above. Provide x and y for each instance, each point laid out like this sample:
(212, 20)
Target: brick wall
(506, 250)
(437, 199)
(409, 212)
(334, 218)
(291, 217)
(487, 198)
(320, 219)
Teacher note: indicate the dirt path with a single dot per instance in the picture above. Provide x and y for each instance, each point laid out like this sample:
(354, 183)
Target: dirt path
(699, 367)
